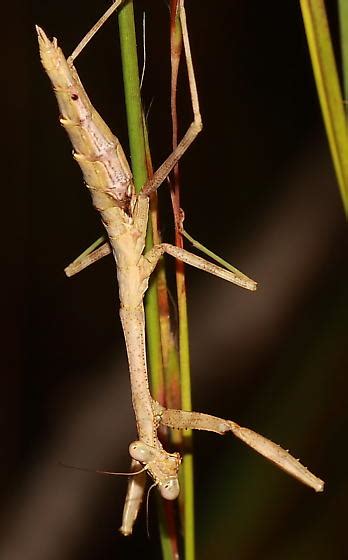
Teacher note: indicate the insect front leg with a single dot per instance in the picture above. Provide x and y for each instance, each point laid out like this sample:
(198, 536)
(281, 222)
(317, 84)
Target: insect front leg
(134, 498)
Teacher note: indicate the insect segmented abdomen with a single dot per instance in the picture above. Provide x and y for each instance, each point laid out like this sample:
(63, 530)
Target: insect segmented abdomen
(96, 149)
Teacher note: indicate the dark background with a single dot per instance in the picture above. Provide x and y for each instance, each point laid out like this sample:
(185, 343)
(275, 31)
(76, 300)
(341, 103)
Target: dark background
(258, 188)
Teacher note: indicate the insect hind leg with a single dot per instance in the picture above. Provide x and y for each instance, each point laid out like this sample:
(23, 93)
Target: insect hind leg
(86, 39)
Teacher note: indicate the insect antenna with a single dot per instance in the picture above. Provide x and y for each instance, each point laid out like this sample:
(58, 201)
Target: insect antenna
(147, 509)
(111, 473)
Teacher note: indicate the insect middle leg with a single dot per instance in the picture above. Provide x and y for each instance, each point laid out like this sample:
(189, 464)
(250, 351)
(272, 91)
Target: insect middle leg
(152, 256)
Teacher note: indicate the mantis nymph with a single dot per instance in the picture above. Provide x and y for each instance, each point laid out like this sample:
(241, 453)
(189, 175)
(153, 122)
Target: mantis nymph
(124, 215)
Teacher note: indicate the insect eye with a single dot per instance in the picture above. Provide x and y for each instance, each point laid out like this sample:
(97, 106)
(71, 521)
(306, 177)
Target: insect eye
(140, 452)
(170, 489)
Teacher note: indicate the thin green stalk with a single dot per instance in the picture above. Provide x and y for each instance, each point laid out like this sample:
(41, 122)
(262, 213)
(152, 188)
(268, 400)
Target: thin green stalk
(211, 254)
(139, 168)
(328, 86)
(132, 93)
(140, 174)
(90, 249)
(343, 22)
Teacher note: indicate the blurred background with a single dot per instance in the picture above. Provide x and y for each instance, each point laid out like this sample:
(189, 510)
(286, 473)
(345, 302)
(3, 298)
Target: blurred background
(258, 188)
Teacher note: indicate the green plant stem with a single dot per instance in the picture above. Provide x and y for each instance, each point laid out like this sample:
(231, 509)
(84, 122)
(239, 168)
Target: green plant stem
(132, 93)
(91, 248)
(211, 254)
(343, 22)
(328, 86)
(139, 169)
